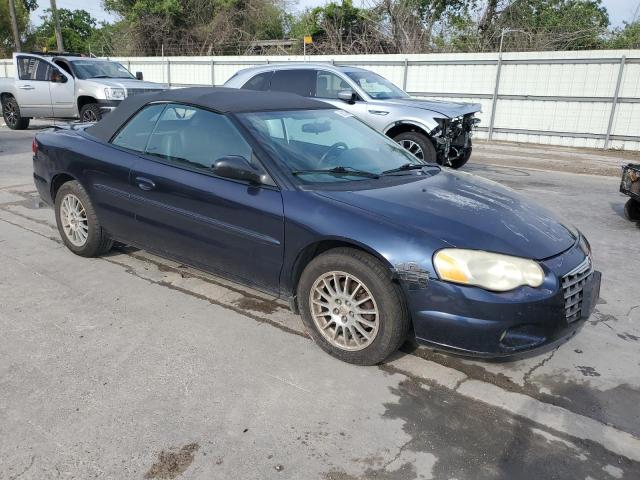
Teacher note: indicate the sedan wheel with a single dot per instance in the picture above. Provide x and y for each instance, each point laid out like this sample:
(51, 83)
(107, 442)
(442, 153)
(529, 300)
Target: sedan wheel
(344, 310)
(78, 224)
(351, 306)
(74, 220)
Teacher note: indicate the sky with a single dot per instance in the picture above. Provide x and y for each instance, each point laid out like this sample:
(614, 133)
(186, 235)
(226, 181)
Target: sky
(619, 10)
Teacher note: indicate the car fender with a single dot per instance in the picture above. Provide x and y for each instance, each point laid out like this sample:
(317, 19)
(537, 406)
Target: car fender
(426, 127)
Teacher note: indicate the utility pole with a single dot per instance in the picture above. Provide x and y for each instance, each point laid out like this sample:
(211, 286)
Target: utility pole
(56, 23)
(14, 24)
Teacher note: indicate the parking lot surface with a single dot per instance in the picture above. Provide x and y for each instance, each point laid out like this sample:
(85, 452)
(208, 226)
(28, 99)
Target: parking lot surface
(131, 366)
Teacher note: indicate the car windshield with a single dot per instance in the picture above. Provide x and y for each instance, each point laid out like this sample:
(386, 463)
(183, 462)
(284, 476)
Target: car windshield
(376, 86)
(100, 69)
(319, 146)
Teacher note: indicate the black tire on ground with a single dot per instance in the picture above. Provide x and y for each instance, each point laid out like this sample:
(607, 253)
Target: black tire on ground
(97, 242)
(632, 210)
(429, 153)
(11, 114)
(90, 113)
(393, 317)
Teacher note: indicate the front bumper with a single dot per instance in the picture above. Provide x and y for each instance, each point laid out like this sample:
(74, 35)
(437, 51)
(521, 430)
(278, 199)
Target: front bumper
(107, 106)
(473, 321)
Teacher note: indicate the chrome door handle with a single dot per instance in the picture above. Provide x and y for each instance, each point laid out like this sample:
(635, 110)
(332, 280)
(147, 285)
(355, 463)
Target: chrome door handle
(145, 184)
(26, 87)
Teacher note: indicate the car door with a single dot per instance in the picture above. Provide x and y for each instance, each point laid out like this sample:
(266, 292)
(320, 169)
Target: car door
(63, 97)
(32, 86)
(329, 84)
(189, 214)
(107, 169)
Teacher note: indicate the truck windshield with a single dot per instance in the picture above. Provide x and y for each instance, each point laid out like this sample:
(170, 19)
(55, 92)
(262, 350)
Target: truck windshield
(99, 69)
(376, 86)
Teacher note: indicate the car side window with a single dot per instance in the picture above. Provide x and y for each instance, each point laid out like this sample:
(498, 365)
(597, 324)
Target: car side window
(31, 68)
(301, 82)
(135, 134)
(195, 138)
(64, 66)
(328, 85)
(259, 82)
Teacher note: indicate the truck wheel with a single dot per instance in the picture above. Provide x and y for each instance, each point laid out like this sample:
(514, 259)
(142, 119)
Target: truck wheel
(419, 145)
(90, 113)
(632, 210)
(78, 223)
(351, 308)
(11, 114)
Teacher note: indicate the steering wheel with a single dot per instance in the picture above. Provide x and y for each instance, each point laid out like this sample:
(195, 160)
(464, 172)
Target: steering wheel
(333, 149)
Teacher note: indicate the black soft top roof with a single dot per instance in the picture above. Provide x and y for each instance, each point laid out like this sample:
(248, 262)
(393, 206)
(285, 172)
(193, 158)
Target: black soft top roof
(223, 100)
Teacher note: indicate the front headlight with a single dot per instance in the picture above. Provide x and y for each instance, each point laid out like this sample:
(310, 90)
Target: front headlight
(111, 93)
(491, 271)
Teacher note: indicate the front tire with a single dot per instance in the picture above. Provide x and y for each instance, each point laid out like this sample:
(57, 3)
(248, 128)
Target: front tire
(418, 145)
(464, 158)
(351, 307)
(632, 210)
(11, 114)
(78, 223)
(90, 113)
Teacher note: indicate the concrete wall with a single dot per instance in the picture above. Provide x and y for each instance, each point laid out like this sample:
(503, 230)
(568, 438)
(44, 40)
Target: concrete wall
(583, 99)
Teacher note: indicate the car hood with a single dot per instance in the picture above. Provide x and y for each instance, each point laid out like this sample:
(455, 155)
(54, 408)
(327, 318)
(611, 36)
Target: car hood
(466, 211)
(448, 109)
(127, 83)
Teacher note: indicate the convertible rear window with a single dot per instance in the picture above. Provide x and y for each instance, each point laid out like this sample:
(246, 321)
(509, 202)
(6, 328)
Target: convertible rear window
(135, 134)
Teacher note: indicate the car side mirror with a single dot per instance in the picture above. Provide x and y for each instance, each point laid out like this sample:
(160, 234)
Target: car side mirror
(139, 76)
(348, 96)
(236, 168)
(57, 77)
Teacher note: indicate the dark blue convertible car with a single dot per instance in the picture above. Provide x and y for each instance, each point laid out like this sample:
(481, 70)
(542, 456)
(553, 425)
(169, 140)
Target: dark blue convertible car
(300, 199)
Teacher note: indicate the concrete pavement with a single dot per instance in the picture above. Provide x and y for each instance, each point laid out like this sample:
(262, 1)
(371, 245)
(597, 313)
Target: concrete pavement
(130, 366)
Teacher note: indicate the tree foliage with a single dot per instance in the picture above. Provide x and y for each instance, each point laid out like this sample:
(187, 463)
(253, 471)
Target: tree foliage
(23, 9)
(77, 28)
(207, 27)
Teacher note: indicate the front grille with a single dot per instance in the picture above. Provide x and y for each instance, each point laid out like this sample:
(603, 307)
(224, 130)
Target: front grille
(572, 287)
(137, 91)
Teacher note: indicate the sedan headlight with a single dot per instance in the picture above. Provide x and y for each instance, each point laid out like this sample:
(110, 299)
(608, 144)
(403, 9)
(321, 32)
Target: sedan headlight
(111, 93)
(491, 271)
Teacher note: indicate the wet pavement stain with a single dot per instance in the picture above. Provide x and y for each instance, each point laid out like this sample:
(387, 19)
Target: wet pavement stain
(587, 371)
(474, 441)
(257, 305)
(172, 463)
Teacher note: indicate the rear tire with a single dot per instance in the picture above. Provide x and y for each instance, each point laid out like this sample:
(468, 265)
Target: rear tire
(632, 210)
(78, 223)
(419, 145)
(90, 113)
(11, 114)
(333, 311)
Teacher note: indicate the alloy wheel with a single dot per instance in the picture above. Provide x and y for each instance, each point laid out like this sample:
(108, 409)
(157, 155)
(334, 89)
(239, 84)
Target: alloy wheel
(89, 116)
(413, 148)
(74, 220)
(344, 310)
(10, 114)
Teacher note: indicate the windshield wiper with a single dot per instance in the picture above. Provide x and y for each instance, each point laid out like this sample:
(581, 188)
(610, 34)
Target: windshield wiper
(405, 167)
(339, 171)
(100, 76)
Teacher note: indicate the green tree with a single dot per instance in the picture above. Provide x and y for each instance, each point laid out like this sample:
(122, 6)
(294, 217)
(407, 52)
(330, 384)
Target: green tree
(550, 25)
(77, 27)
(627, 37)
(23, 9)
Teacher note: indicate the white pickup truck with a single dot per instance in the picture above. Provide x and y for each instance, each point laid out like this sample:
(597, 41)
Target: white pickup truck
(66, 86)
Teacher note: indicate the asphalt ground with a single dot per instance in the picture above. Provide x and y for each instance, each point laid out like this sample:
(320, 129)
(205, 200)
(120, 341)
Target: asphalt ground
(131, 366)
